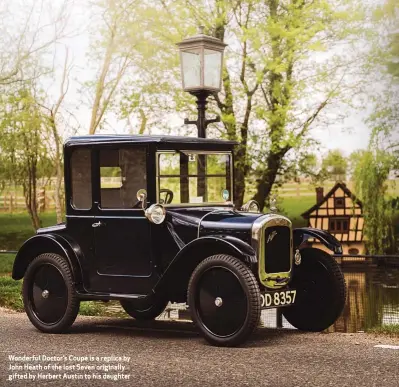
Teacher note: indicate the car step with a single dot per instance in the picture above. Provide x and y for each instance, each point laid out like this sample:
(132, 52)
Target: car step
(109, 296)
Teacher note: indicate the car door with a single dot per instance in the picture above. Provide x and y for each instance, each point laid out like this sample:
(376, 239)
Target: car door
(122, 233)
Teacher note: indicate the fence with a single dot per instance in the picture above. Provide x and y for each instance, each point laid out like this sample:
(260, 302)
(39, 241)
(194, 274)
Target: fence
(14, 201)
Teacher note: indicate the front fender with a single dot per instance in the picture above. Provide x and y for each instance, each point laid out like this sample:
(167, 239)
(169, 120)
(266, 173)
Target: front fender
(212, 245)
(46, 243)
(184, 263)
(328, 240)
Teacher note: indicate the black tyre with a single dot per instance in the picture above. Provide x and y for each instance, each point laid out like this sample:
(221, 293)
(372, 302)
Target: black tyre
(224, 300)
(321, 292)
(49, 296)
(144, 314)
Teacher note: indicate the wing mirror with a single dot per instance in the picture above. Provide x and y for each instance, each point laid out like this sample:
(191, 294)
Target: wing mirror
(142, 197)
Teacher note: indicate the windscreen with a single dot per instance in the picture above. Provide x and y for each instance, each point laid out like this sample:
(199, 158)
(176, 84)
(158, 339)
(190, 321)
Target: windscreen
(194, 177)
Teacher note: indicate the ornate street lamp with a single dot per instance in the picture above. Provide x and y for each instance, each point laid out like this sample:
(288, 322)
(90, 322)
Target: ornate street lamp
(201, 59)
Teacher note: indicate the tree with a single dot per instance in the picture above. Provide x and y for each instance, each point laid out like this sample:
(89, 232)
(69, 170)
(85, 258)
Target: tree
(291, 65)
(114, 54)
(370, 176)
(389, 13)
(393, 63)
(23, 136)
(52, 115)
(22, 42)
(372, 167)
(23, 49)
(296, 33)
(335, 165)
(281, 74)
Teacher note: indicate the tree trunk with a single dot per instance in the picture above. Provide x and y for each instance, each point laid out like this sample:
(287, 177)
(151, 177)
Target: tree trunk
(239, 175)
(59, 174)
(58, 188)
(31, 200)
(267, 177)
(100, 87)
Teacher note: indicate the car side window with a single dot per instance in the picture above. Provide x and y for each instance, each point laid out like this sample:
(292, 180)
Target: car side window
(81, 179)
(122, 174)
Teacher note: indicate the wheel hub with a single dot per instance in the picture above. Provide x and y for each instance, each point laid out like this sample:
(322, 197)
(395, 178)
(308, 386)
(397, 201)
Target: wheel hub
(218, 302)
(48, 294)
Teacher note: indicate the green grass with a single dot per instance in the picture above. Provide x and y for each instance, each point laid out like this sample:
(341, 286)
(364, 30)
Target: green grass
(6, 263)
(92, 308)
(10, 294)
(293, 207)
(390, 330)
(16, 228)
(11, 298)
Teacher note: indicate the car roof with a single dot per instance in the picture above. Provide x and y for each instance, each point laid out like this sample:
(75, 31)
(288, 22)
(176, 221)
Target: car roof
(144, 139)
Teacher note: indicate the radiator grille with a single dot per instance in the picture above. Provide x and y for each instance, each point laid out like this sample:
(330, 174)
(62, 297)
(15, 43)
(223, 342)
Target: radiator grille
(277, 249)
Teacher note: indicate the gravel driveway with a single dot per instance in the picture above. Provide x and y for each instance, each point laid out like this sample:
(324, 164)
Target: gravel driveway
(172, 354)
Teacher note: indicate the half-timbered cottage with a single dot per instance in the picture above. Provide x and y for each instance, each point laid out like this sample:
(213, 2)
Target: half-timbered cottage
(340, 213)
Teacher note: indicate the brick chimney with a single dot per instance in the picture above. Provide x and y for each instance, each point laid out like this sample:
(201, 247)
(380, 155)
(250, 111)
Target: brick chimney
(319, 194)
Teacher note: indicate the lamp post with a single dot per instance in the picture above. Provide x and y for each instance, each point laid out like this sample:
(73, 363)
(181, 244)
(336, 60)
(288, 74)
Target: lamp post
(201, 58)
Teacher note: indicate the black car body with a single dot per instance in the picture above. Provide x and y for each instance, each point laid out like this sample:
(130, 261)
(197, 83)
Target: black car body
(117, 189)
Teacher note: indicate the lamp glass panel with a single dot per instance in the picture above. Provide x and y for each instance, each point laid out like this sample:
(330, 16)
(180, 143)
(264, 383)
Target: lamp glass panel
(213, 68)
(191, 65)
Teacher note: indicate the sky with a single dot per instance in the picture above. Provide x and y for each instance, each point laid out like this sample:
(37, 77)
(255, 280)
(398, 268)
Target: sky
(348, 135)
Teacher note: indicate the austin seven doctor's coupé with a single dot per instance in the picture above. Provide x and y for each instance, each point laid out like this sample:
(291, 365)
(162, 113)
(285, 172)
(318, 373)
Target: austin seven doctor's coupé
(151, 220)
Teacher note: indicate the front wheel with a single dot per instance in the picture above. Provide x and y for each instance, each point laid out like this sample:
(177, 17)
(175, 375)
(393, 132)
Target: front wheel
(49, 296)
(224, 300)
(321, 292)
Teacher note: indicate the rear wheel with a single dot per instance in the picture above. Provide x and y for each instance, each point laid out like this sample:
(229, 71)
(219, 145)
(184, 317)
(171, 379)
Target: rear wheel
(145, 314)
(224, 300)
(49, 296)
(321, 292)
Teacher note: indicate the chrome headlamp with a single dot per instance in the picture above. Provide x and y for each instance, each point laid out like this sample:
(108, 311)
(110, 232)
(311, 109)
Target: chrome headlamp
(155, 213)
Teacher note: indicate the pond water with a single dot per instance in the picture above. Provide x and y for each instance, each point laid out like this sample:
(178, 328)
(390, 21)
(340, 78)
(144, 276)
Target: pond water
(372, 301)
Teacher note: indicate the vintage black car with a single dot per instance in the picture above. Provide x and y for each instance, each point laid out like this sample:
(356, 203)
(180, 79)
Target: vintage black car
(150, 220)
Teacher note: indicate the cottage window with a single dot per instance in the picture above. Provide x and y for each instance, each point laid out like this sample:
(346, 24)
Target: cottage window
(339, 202)
(339, 225)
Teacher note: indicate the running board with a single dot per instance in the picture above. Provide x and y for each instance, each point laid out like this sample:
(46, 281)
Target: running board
(109, 296)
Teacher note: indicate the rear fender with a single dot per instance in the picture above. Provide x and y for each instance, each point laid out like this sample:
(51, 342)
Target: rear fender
(328, 240)
(180, 269)
(47, 243)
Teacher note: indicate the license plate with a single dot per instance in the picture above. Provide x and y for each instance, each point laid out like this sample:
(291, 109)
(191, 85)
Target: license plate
(278, 298)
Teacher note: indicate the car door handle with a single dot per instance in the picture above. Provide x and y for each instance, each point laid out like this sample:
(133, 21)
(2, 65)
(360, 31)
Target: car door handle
(98, 224)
